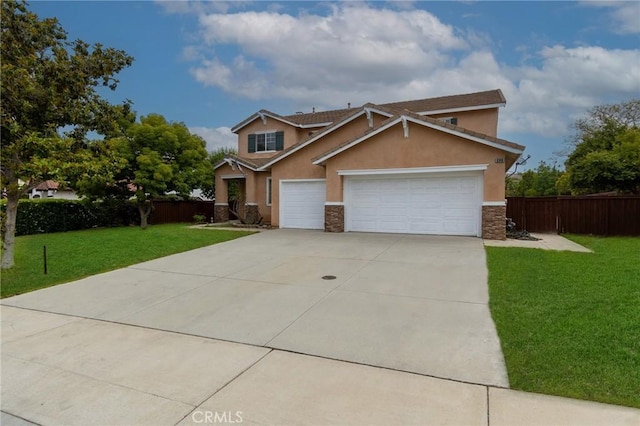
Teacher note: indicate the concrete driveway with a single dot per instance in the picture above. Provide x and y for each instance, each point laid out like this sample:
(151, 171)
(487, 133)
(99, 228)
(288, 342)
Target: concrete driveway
(405, 302)
(398, 303)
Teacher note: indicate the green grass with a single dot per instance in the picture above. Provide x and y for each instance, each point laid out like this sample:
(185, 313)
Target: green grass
(569, 322)
(74, 255)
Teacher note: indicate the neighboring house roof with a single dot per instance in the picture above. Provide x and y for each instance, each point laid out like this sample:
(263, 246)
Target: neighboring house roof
(407, 116)
(443, 104)
(47, 185)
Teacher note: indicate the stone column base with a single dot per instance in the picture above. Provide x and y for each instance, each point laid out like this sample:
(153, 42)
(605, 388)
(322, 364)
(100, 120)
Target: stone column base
(333, 218)
(493, 222)
(221, 212)
(252, 214)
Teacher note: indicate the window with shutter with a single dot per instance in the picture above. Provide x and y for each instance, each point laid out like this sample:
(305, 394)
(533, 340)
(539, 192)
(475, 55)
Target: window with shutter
(266, 142)
(279, 141)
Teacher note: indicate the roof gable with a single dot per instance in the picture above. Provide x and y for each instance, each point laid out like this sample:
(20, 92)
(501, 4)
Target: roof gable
(354, 113)
(408, 117)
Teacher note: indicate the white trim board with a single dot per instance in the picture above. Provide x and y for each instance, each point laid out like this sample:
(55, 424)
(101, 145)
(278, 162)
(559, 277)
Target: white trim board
(414, 170)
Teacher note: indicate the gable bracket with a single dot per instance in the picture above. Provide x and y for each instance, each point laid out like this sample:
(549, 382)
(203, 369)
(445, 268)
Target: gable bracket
(263, 117)
(369, 116)
(405, 127)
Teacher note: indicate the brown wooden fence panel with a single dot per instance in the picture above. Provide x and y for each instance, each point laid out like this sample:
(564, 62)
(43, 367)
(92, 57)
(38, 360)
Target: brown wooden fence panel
(597, 215)
(535, 214)
(600, 215)
(180, 211)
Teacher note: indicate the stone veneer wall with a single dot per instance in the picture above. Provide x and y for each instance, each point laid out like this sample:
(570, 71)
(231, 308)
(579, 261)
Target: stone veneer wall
(252, 214)
(221, 212)
(493, 222)
(333, 218)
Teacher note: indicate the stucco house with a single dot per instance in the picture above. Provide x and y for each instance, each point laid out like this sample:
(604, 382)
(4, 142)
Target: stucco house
(52, 189)
(428, 166)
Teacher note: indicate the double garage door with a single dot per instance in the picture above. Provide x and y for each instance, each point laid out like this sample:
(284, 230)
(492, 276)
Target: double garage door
(440, 205)
(436, 204)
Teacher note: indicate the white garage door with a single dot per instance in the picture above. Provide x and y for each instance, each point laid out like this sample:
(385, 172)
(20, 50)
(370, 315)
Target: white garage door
(302, 204)
(441, 205)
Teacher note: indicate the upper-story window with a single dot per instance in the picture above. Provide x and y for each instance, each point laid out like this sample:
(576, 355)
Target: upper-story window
(266, 142)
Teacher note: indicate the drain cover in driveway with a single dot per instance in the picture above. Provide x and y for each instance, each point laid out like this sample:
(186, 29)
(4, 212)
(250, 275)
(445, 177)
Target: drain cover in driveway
(329, 277)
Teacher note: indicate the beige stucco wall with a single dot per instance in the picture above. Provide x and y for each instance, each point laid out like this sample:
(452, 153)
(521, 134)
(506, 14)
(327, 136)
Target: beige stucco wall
(290, 136)
(299, 166)
(424, 147)
(255, 188)
(221, 186)
(484, 121)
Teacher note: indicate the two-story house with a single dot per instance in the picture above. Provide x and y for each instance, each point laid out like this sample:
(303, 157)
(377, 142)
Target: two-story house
(429, 166)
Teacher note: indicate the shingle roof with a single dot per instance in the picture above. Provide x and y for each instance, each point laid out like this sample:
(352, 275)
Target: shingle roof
(253, 163)
(322, 118)
(490, 97)
(46, 185)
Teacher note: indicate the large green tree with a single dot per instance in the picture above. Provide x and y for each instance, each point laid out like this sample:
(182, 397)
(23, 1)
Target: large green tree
(538, 182)
(50, 101)
(159, 157)
(606, 149)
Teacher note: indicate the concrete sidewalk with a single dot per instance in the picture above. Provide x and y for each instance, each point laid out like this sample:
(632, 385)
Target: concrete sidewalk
(544, 242)
(67, 370)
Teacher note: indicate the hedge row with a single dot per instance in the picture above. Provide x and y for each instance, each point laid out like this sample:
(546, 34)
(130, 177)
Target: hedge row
(46, 216)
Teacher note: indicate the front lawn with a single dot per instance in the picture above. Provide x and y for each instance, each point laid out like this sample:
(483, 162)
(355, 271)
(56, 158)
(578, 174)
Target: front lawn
(569, 322)
(74, 255)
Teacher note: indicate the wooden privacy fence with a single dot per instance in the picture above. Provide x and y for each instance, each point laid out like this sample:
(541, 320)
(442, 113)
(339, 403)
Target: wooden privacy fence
(597, 215)
(180, 211)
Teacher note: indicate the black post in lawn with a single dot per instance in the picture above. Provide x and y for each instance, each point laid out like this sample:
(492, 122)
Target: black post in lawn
(44, 252)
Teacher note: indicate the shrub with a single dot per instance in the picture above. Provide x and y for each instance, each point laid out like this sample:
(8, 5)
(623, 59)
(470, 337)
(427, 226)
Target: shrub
(47, 216)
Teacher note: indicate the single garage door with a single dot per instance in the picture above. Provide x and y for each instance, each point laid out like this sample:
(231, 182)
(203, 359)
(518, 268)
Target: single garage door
(302, 204)
(440, 205)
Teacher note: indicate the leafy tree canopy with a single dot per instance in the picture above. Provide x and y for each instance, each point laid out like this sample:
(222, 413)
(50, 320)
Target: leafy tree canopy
(535, 183)
(49, 84)
(605, 155)
(159, 157)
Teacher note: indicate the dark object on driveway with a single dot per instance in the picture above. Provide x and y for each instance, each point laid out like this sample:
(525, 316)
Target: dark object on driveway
(512, 232)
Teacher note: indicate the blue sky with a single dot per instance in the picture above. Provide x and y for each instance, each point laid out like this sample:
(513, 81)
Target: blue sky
(212, 64)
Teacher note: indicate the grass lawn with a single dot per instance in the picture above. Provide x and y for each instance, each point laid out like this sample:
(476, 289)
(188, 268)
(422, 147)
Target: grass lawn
(74, 255)
(570, 322)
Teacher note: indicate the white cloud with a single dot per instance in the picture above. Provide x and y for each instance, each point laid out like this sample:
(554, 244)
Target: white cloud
(216, 137)
(198, 7)
(352, 43)
(357, 54)
(624, 15)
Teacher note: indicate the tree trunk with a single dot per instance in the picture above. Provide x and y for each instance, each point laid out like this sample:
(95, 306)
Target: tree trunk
(9, 237)
(144, 207)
